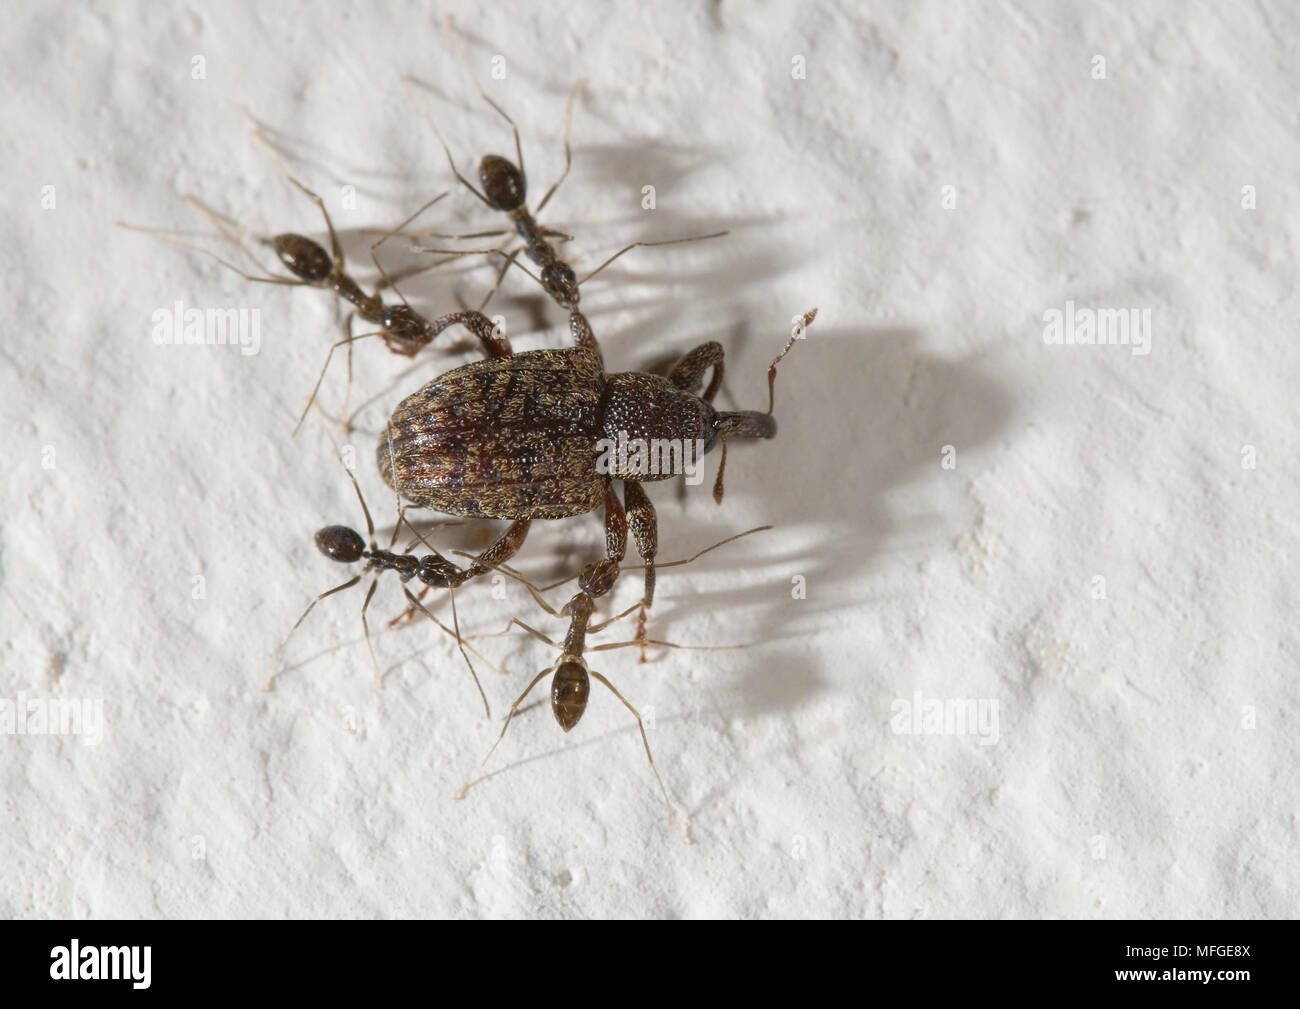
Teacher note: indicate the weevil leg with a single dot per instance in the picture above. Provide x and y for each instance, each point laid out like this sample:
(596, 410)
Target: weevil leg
(495, 344)
(580, 329)
(688, 373)
(645, 530)
(598, 578)
(615, 526)
(506, 546)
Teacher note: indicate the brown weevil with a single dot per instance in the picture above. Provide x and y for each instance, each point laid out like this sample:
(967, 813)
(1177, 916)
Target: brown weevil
(528, 436)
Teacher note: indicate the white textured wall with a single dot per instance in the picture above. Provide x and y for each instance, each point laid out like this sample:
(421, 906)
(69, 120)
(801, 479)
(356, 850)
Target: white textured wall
(1144, 763)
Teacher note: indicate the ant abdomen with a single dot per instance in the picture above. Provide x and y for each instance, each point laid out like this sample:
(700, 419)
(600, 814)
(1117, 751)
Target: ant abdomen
(304, 258)
(339, 543)
(569, 691)
(502, 182)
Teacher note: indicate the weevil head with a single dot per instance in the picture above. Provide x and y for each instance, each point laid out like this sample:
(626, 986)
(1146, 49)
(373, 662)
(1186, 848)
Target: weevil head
(744, 424)
(569, 691)
(339, 543)
(304, 258)
(503, 183)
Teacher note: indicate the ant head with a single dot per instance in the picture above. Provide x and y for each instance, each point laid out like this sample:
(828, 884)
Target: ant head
(561, 284)
(438, 572)
(503, 183)
(339, 543)
(569, 691)
(305, 259)
(405, 325)
(596, 579)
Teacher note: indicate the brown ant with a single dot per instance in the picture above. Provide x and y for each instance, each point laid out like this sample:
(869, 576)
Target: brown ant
(345, 545)
(571, 683)
(404, 330)
(505, 189)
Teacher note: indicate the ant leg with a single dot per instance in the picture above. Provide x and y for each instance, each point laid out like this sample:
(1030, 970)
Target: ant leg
(336, 249)
(500, 277)
(568, 151)
(255, 129)
(646, 245)
(688, 373)
(645, 530)
(348, 340)
(510, 258)
(222, 225)
(395, 277)
(386, 280)
(449, 27)
(365, 626)
(270, 672)
(460, 642)
(409, 612)
(460, 792)
(410, 83)
(686, 837)
(473, 234)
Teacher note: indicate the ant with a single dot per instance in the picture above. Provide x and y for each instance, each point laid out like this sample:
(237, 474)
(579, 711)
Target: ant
(571, 683)
(505, 189)
(345, 545)
(404, 330)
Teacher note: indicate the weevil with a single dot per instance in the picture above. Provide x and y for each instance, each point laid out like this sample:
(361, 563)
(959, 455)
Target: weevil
(525, 437)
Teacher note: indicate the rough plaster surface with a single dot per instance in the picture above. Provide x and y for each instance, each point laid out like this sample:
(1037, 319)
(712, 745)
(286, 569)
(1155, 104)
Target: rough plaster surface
(1108, 557)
